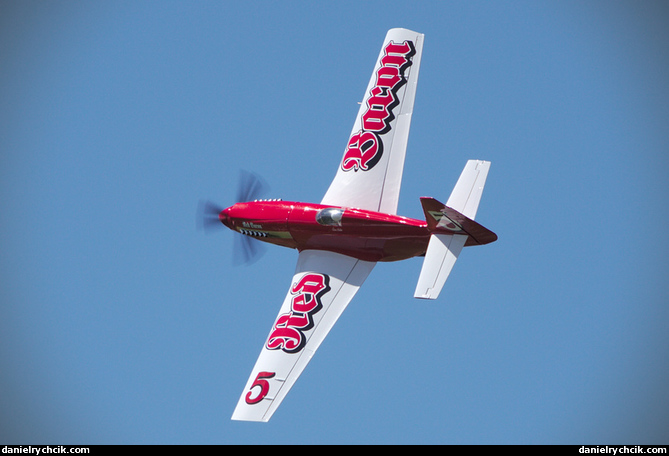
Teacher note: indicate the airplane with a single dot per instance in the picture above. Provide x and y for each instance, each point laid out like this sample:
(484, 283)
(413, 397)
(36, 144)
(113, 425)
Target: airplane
(355, 226)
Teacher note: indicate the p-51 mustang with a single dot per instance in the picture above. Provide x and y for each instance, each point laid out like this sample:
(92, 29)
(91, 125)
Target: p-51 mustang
(354, 227)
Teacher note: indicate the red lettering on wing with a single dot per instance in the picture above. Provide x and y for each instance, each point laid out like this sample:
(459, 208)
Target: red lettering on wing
(288, 332)
(365, 147)
(363, 151)
(261, 381)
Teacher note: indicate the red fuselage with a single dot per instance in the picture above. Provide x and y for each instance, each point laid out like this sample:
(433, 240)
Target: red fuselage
(362, 234)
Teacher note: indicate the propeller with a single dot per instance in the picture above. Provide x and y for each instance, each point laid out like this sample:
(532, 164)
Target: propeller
(246, 250)
(250, 187)
(207, 216)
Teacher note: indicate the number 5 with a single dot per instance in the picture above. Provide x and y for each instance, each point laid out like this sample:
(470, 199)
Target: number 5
(264, 387)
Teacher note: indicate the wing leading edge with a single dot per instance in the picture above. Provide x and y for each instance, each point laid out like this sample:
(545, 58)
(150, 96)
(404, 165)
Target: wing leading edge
(323, 285)
(370, 172)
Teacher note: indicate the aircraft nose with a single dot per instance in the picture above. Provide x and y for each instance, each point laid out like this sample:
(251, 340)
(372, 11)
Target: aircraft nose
(224, 217)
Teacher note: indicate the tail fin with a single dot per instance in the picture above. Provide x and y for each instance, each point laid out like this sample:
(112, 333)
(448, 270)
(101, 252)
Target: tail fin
(442, 219)
(452, 228)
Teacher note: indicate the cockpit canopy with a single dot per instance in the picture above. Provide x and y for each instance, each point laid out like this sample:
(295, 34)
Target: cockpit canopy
(330, 216)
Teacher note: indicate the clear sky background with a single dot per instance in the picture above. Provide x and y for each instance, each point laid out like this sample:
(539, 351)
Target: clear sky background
(122, 323)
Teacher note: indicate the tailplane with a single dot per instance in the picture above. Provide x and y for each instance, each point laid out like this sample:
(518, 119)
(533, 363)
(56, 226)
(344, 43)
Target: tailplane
(453, 227)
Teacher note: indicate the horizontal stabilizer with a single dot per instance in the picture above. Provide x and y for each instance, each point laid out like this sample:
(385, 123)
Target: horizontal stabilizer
(452, 227)
(442, 251)
(466, 194)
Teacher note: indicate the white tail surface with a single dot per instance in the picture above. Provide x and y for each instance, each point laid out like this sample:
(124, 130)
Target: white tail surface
(443, 249)
(466, 194)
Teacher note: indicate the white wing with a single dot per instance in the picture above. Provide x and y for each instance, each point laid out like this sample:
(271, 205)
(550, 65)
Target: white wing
(370, 173)
(323, 285)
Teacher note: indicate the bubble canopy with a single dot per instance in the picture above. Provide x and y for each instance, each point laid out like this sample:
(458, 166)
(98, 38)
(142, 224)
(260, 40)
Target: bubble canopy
(330, 216)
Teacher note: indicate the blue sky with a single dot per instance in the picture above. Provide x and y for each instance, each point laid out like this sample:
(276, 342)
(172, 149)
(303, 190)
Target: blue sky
(121, 323)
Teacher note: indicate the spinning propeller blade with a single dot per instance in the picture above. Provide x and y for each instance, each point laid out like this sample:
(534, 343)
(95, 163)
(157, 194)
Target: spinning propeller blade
(246, 249)
(207, 216)
(251, 186)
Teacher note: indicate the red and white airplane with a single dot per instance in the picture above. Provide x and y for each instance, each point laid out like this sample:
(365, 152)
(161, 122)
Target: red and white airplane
(355, 226)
